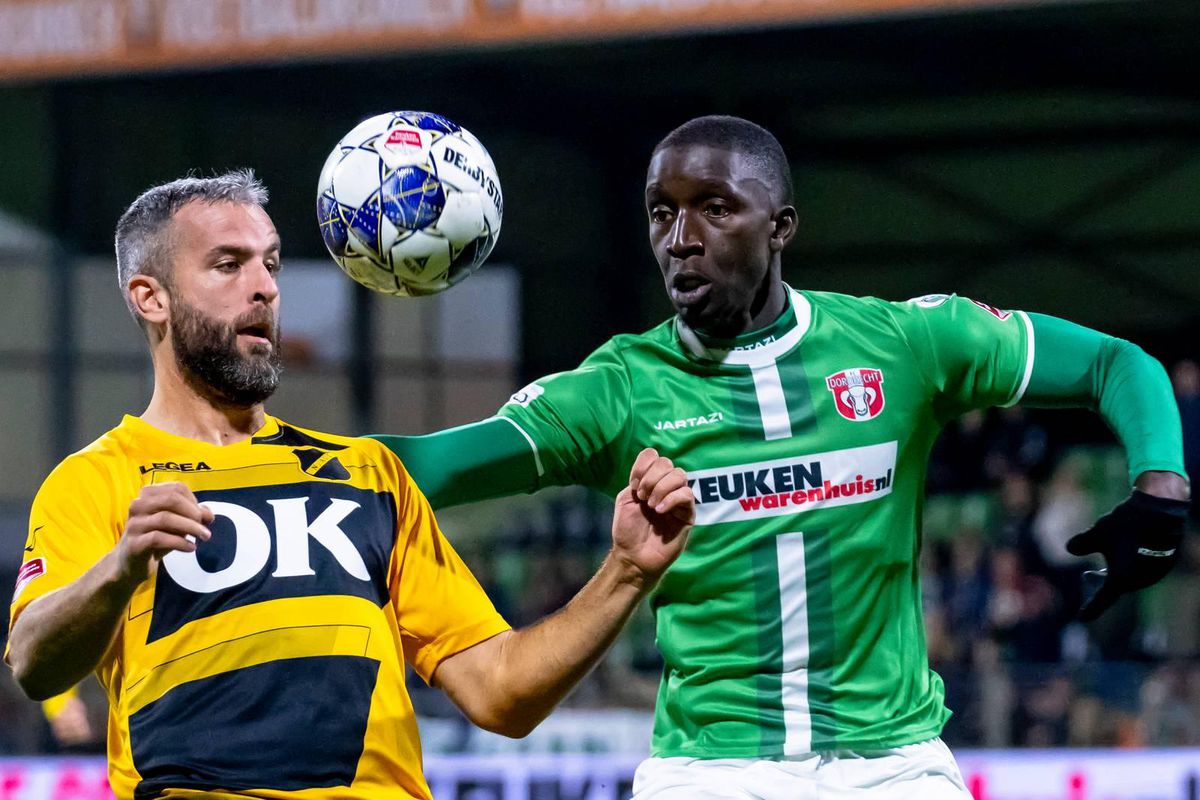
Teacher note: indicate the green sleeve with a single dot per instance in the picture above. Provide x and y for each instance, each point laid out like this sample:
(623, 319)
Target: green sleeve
(577, 420)
(559, 430)
(971, 354)
(467, 464)
(1079, 367)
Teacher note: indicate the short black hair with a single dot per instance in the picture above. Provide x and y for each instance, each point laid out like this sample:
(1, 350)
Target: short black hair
(739, 136)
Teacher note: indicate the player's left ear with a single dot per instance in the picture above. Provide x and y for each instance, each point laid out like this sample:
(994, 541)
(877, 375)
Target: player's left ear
(785, 222)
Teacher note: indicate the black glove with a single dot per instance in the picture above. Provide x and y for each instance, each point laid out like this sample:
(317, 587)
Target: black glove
(1139, 540)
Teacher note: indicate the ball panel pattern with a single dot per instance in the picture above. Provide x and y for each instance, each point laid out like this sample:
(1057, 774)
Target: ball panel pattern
(408, 203)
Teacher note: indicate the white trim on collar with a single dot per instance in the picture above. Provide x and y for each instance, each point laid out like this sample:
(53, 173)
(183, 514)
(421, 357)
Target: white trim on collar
(759, 356)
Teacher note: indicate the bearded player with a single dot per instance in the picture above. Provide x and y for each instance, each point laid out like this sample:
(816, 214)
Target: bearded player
(791, 629)
(250, 593)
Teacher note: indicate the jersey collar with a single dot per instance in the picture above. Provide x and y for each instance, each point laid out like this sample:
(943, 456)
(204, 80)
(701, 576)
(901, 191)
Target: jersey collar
(142, 433)
(763, 346)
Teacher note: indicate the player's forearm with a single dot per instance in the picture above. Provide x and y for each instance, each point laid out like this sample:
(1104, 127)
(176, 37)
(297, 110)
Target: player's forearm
(469, 463)
(1136, 400)
(60, 638)
(541, 664)
(1075, 366)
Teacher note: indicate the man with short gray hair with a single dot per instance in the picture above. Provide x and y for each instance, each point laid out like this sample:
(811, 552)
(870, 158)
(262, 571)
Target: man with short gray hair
(202, 347)
(142, 241)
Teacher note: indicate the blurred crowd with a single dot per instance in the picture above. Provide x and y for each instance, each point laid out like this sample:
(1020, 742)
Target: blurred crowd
(1006, 489)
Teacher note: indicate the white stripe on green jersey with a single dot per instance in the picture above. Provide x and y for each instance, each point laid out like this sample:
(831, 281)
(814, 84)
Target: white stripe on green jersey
(792, 622)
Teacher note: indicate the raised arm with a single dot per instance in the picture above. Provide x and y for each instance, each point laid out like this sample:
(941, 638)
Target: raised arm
(1139, 539)
(974, 356)
(511, 682)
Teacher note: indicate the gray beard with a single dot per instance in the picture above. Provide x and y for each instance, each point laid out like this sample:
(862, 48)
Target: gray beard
(208, 356)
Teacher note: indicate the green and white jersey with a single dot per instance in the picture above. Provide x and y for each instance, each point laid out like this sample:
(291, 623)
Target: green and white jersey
(792, 622)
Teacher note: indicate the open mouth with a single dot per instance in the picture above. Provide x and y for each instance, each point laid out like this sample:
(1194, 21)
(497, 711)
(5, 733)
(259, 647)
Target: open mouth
(689, 287)
(259, 333)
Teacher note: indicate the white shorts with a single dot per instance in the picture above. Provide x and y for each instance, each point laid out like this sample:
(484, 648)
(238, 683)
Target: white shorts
(925, 771)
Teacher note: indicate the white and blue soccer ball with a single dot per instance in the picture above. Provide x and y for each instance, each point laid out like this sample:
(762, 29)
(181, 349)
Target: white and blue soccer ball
(409, 203)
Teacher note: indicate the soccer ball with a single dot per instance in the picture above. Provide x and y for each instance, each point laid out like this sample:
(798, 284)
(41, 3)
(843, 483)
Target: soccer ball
(409, 203)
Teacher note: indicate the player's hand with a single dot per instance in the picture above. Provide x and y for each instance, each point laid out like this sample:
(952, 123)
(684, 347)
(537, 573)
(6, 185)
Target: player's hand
(653, 516)
(70, 725)
(1139, 540)
(164, 517)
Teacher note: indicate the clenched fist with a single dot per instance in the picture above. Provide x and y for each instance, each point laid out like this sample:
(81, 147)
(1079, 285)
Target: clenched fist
(653, 516)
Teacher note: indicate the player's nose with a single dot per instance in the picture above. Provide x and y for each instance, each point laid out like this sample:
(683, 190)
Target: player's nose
(263, 284)
(684, 239)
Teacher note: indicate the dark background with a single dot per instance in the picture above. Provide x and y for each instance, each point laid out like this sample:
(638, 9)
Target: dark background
(1044, 158)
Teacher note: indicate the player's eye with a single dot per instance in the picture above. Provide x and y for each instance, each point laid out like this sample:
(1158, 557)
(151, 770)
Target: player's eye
(660, 214)
(716, 209)
(228, 265)
(274, 267)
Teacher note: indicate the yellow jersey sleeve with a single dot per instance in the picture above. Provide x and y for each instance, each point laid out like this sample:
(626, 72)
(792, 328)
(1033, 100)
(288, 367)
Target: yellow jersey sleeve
(74, 522)
(55, 705)
(440, 608)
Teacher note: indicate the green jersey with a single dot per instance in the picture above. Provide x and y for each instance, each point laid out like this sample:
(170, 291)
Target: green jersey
(792, 622)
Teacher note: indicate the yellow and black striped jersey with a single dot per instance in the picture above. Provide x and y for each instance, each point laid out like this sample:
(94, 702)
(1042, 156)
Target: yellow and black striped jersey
(270, 662)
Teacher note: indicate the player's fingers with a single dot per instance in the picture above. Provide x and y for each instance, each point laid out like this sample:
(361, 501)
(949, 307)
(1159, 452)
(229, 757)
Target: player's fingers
(173, 497)
(169, 522)
(669, 482)
(658, 469)
(188, 508)
(161, 542)
(680, 504)
(1081, 544)
(640, 465)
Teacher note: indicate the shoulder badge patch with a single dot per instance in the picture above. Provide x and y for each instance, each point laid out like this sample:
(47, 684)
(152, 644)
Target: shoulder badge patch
(526, 396)
(930, 300)
(31, 569)
(995, 312)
